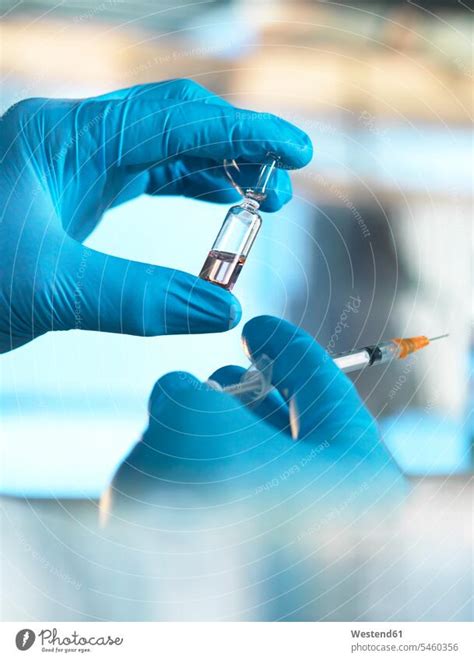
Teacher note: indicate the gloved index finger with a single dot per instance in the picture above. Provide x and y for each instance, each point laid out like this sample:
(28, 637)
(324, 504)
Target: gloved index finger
(182, 89)
(147, 133)
(227, 132)
(320, 396)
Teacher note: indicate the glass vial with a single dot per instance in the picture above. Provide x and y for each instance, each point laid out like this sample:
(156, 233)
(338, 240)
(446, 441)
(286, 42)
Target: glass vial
(242, 223)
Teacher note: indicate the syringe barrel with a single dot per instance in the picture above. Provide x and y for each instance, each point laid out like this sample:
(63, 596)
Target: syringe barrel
(353, 361)
(366, 357)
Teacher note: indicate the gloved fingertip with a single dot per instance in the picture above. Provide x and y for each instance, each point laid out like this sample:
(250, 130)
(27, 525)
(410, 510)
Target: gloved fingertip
(306, 148)
(201, 307)
(169, 386)
(235, 314)
(274, 336)
(228, 375)
(300, 149)
(276, 201)
(258, 331)
(227, 308)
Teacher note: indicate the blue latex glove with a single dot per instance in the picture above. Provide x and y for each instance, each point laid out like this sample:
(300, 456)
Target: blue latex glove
(65, 162)
(207, 440)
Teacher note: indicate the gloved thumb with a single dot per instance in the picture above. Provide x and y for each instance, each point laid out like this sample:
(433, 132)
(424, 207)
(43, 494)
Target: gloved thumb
(96, 291)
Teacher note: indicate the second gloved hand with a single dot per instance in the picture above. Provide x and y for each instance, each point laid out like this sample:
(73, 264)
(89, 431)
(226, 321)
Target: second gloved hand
(65, 162)
(206, 441)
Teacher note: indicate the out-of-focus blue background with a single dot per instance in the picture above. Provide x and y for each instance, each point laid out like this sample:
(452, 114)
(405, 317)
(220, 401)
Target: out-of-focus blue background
(383, 212)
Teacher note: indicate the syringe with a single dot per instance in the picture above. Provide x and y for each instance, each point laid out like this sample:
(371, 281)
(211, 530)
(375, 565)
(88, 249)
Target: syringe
(386, 351)
(257, 379)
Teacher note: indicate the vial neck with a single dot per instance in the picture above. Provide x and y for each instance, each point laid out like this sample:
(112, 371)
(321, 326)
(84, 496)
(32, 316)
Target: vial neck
(250, 203)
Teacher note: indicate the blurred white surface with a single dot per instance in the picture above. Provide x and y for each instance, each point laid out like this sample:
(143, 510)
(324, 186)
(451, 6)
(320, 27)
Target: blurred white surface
(69, 455)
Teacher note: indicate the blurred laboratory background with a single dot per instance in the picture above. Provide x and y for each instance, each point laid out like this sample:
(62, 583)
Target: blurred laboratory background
(382, 215)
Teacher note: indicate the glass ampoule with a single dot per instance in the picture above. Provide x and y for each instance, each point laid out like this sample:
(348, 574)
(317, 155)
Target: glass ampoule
(241, 225)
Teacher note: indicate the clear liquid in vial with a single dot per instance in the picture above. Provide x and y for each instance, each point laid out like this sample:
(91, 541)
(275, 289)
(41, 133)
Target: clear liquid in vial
(222, 268)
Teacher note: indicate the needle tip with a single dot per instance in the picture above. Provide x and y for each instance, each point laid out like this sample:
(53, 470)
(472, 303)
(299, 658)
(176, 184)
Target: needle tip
(438, 337)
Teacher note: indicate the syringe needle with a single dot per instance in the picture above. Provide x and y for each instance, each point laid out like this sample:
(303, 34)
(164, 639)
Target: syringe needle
(438, 337)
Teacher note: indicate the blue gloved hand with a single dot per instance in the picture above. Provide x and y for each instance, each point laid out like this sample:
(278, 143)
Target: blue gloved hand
(204, 439)
(65, 162)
